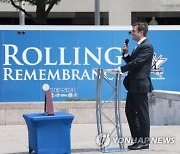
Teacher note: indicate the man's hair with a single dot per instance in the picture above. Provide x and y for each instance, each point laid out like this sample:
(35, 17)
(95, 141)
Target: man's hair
(141, 26)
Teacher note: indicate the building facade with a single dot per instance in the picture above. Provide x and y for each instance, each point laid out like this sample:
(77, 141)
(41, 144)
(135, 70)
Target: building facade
(113, 12)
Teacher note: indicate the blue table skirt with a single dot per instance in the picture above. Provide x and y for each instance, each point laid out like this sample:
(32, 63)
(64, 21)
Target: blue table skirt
(49, 134)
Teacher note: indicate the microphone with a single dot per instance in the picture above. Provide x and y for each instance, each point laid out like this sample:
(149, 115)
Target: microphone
(126, 43)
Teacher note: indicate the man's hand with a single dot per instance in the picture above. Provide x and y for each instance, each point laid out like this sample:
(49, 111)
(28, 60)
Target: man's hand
(125, 49)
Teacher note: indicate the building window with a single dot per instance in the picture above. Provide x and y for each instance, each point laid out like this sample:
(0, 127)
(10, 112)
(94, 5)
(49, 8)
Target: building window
(66, 18)
(163, 18)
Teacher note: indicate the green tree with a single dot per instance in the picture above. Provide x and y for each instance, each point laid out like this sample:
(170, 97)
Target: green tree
(43, 7)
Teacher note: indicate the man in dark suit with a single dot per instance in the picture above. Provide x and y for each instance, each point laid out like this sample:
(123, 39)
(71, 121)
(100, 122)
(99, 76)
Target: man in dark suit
(138, 84)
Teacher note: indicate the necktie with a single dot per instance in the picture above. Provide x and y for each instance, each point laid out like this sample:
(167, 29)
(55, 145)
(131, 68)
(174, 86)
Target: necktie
(134, 50)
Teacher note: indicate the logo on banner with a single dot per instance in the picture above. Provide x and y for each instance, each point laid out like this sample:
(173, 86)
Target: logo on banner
(156, 66)
(61, 92)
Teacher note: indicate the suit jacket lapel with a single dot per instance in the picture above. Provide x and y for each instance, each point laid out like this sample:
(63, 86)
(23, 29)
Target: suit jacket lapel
(136, 49)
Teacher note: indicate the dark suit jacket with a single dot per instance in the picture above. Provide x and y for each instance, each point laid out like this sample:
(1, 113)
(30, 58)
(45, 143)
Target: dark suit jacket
(138, 65)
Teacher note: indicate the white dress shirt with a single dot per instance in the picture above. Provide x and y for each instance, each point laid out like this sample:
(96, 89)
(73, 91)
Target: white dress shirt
(139, 42)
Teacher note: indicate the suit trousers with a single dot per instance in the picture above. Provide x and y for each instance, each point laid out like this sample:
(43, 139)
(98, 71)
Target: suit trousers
(137, 113)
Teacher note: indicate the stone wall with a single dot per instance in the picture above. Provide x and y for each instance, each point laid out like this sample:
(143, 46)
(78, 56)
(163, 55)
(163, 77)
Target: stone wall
(84, 112)
(164, 107)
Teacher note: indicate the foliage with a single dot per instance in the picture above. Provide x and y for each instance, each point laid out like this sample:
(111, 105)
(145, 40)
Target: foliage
(43, 7)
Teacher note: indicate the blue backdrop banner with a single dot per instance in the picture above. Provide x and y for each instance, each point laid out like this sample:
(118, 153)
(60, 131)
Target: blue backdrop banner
(63, 61)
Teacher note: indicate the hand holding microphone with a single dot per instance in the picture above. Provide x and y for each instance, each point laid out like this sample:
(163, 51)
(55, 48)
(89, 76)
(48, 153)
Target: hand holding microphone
(125, 47)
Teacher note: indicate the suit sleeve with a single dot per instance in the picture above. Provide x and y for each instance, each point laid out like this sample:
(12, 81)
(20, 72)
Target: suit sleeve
(144, 53)
(127, 59)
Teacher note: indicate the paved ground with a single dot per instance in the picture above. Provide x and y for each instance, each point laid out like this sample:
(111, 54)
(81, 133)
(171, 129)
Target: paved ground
(14, 140)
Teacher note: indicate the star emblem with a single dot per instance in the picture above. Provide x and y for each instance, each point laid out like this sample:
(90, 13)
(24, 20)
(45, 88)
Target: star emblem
(156, 65)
